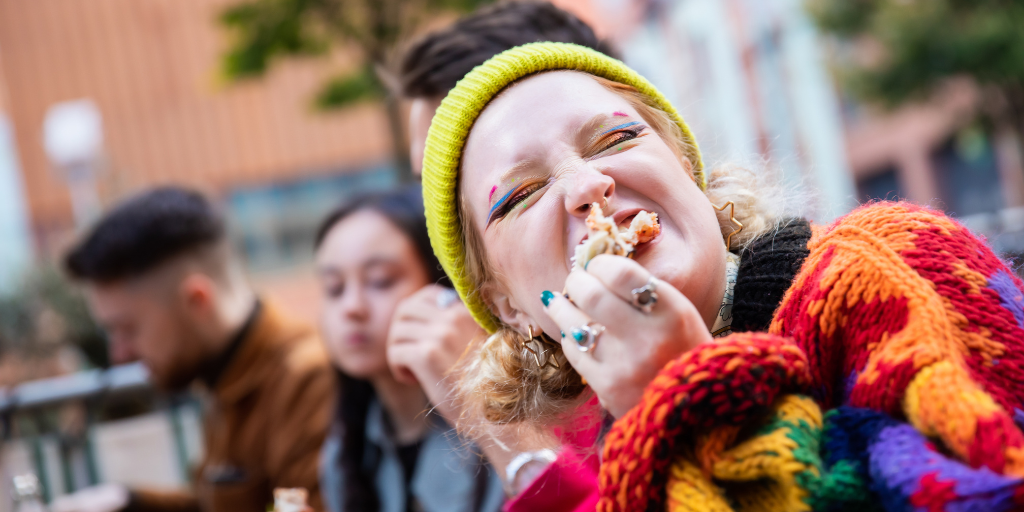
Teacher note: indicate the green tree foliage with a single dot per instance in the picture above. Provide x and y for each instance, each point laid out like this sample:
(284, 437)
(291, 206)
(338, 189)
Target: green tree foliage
(265, 30)
(923, 43)
(46, 311)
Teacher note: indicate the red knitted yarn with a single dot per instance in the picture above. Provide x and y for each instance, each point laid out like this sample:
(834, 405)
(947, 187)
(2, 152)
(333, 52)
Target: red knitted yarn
(724, 383)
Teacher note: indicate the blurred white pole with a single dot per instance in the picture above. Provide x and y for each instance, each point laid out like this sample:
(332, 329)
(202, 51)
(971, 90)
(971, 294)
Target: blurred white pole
(817, 113)
(15, 238)
(73, 139)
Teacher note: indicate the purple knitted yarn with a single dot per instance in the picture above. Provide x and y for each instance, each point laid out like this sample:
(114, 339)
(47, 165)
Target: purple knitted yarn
(900, 458)
(1010, 297)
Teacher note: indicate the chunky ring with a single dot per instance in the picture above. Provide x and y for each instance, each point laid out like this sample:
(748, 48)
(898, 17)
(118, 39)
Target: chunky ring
(586, 336)
(645, 297)
(446, 297)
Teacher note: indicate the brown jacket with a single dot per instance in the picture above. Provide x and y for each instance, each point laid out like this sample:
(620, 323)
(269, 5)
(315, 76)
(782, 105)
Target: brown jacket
(264, 423)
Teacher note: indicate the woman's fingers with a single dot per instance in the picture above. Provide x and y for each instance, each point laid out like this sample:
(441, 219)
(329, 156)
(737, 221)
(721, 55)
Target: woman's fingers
(568, 317)
(620, 275)
(595, 300)
(420, 306)
(406, 331)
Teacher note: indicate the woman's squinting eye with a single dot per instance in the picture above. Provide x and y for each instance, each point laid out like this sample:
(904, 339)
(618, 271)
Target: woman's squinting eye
(513, 198)
(334, 289)
(629, 131)
(383, 283)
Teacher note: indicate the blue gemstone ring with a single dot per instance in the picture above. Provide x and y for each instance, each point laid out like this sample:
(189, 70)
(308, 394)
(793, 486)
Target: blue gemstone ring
(585, 336)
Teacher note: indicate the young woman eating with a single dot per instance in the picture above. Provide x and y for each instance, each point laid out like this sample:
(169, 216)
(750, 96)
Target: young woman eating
(387, 450)
(752, 361)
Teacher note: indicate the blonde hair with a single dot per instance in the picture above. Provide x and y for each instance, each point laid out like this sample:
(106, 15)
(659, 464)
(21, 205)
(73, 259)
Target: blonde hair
(501, 383)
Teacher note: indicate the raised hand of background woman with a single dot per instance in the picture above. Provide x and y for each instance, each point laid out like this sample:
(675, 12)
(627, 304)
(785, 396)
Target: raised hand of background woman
(428, 334)
(634, 345)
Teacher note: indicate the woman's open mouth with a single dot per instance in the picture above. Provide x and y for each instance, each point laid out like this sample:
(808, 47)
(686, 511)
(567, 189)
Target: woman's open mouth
(626, 232)
(643, 245)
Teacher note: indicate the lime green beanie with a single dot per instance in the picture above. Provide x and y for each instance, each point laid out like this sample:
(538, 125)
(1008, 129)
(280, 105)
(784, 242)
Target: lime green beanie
(455, 117)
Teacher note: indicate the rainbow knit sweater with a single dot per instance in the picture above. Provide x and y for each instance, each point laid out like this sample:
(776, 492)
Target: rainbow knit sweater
(891, 377)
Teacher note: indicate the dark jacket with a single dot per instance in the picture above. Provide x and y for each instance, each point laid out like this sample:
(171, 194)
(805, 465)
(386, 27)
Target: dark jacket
(449, 475)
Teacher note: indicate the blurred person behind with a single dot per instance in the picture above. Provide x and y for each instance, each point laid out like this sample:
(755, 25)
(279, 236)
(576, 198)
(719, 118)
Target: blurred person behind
(433, 64)
(163, 282)
(386, 449)
(428, 335)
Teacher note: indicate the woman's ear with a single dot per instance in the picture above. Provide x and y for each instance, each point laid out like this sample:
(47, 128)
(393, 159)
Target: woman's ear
(688, 168)
(505, 308)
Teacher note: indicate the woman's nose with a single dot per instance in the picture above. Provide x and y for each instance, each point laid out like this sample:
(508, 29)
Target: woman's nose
(353, 303)
(590, 187)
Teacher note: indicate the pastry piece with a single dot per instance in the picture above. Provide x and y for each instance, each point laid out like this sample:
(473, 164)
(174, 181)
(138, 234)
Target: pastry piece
(290, 500)
(605, 237)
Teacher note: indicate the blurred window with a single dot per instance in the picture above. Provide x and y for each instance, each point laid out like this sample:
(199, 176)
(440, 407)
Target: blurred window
(967, 174)
(275, 224)
(883, 185)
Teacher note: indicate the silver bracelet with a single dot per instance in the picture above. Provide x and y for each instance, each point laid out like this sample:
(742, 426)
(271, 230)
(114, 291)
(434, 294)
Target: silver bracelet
(513, 468)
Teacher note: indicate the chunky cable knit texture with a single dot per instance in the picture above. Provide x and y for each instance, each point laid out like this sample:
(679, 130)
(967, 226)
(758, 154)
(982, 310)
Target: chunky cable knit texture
(902, 325)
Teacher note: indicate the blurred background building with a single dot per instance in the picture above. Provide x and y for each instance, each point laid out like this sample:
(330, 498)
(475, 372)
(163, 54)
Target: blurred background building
(755, 78)
(749, 77)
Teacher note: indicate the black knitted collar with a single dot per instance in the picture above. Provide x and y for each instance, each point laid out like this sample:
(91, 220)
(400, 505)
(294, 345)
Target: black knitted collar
(767, 269)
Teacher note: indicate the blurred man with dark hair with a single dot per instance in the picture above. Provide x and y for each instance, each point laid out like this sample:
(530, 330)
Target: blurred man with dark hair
(433, 65)
(161, 279)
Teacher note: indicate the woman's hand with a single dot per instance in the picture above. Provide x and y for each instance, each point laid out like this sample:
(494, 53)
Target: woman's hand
(635, 345)
(428, 334)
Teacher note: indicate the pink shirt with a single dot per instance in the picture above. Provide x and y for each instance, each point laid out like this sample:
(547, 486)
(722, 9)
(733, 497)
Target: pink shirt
(568, 484)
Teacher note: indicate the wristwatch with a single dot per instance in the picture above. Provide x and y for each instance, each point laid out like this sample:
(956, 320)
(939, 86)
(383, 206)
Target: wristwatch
(525, 468)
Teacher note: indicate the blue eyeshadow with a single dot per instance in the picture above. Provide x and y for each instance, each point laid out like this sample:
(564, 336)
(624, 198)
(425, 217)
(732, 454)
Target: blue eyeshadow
(621, 126)
(502, 200)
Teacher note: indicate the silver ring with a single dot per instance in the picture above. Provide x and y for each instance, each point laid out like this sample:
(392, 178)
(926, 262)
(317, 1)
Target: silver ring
(446, 297)
(586, 335)
(645, 297)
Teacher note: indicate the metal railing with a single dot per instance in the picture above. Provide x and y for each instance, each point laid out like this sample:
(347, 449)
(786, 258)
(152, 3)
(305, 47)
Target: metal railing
(31, 401)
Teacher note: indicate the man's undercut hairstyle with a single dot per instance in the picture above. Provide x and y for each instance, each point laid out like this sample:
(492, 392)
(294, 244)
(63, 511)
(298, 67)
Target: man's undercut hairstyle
(144, 232)
(433, 65)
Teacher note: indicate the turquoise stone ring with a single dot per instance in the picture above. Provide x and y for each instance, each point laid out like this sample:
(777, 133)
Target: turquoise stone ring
(586, 336)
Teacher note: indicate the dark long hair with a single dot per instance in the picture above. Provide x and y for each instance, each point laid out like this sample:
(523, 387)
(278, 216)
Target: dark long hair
(404, 209)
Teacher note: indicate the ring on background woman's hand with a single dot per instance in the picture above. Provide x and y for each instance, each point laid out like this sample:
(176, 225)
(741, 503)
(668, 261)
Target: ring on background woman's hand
(446, 297)
(645, 297)
(586, 335)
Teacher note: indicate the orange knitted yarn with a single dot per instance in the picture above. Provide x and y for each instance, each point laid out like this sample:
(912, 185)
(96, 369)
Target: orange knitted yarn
(901, 323)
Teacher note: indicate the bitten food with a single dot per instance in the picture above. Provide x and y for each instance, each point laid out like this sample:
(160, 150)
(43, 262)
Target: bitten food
(605, 237)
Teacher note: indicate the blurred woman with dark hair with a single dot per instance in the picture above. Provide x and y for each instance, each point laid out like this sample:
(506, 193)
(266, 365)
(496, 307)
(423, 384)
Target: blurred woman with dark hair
(387, 450)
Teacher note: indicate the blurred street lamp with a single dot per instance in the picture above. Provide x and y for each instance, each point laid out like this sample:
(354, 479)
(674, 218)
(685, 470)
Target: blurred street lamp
(73, 140)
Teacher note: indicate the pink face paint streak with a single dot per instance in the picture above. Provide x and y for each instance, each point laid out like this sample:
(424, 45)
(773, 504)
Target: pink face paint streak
(489, 196)
(620, 114)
